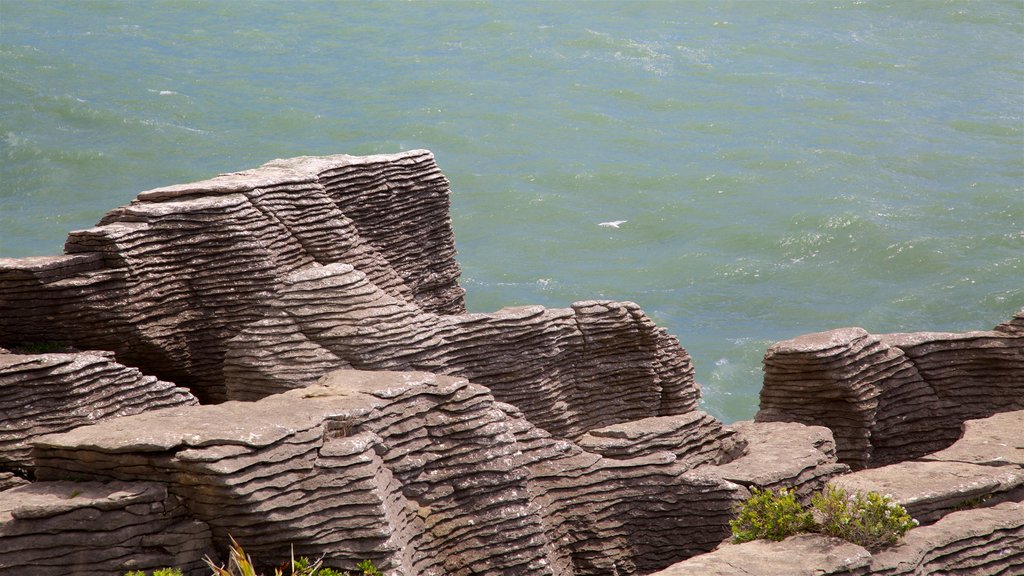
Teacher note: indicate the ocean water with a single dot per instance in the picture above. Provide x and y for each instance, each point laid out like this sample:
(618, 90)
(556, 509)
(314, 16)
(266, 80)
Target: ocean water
(781, 167)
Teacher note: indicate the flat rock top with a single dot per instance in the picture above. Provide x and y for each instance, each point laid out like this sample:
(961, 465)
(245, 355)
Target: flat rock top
(994, 441)
(47, 499)
(827, 342)
(801, 555)
(253, 424)
(910, 483)
(777, 450)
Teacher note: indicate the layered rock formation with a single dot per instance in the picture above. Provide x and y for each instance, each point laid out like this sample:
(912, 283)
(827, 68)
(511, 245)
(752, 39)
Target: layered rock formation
(524, 441)
(969, 498)
(45, 393)
(893, 397)
(167, 280)
(423, 474)
(97, 528)
(261, 281)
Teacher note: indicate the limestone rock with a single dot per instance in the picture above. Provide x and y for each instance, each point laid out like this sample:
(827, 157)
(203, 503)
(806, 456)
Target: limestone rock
(168, 279)
(978, 542)
(252, 283)
(421, 473)
(695, 438)
(893, 397)
(801, 555)
(929, 490)
(45, 393)
(994, 441)
(85, 528)
(568, 370)
(783, 455)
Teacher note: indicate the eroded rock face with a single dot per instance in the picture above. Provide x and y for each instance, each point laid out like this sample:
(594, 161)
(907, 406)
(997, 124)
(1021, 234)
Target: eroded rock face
(45, 393)
(423, 474)
(168, 279)
(261, 281)
(893, 397)
(783, 455)
(87, 528)
(568, 370)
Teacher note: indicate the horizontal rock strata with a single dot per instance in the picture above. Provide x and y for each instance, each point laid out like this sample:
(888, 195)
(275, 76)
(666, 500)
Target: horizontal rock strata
(423, 474)
(893, 397)
(783, 455)
(695, 438)
(168, 279)
(261, 281)
(801, 555)
(983, 468)
(981, 542)
(88, 528)
(568, 370)
(45, 393)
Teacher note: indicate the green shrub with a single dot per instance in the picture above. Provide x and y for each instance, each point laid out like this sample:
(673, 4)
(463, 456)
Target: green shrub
(160, 572)
(871, 520)
(770, 515)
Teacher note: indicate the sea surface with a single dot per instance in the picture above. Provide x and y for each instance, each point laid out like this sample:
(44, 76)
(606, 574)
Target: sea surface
(780, 167)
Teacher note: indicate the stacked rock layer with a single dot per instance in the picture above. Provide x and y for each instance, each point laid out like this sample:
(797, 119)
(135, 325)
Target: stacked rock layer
(45, 393)
(893, 397)
(261, 281)
(423, 474)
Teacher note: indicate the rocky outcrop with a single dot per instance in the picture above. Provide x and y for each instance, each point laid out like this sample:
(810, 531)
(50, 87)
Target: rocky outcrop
(83, 528)
(801, 555)
(978, 542)
(354, 409)
(261, 281)
(969, 499)
(568, 370)
(167, 280)
(984, 467)
(423, 474)
(893, 397)
(45, 393)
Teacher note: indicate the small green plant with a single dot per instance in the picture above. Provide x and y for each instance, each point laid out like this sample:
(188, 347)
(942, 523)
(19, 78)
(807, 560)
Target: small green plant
(770, 515)
(160, 572)
(871, 520)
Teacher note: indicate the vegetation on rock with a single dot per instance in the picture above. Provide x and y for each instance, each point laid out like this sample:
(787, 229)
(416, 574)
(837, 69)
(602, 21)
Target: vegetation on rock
(870, 520)
(240, 564)
(770, 515)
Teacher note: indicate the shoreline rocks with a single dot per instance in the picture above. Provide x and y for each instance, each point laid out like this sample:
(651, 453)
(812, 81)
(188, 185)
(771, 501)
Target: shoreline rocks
(283, 355)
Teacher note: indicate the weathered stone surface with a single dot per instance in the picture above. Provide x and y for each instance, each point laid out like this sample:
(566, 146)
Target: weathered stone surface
(929, 490)
(87, 528)
(261, 281)
(424, 474)
(168, 279)
(994, 441)
(801, 555)
(893, 397)
(45, 393)
(979, 542)
(985, 541)
(695, 438)
(568, 370)
(783, 455)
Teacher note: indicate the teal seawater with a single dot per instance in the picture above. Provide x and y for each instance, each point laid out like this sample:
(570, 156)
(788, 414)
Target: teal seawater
(782, 167)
